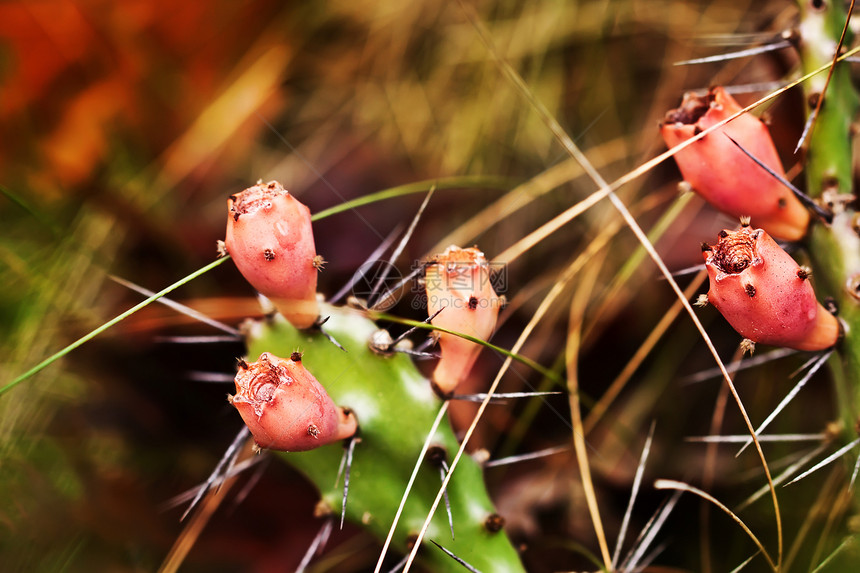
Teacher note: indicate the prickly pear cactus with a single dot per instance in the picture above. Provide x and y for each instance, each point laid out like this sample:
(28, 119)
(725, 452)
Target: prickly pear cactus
(395, 408)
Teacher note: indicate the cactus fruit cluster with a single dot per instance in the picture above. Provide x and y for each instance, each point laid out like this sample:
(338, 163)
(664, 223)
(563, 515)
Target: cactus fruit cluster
(303, 404)
(758, 287)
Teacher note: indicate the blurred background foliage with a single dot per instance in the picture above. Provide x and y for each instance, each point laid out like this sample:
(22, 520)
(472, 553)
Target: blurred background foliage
(125, 125)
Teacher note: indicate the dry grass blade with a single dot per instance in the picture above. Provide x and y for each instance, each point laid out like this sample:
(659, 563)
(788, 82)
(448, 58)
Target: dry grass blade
(784, 475)
(831, 68)
(648, 533)
(680, 486)
(847, 543)
(525, 193)
(833, 503)
(614, 295)
(574, 337)
(513, 252)
(745, 563)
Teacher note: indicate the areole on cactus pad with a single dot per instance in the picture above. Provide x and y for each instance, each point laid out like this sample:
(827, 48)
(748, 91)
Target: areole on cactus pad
(459, 289)
(286, 408)
(270, 238)
(723, 174)
(764, 294)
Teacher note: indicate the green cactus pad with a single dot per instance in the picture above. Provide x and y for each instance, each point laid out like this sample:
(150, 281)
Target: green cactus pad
(396, 409)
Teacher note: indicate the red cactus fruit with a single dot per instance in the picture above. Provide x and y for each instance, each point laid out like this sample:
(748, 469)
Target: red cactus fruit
(723, 174)
(764, 293)
(286, 408)
(270, 238)
(458, 283)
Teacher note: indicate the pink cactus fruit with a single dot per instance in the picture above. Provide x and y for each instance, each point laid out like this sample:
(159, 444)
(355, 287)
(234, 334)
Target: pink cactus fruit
(286, 408)
(764, 294)
(458, 283)
(723, 174)
(270, 238)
